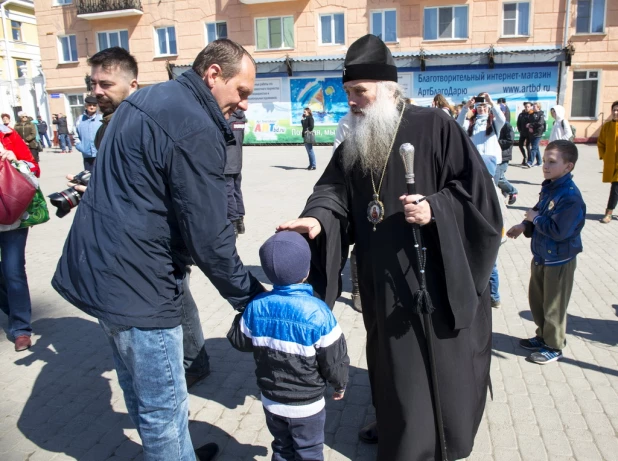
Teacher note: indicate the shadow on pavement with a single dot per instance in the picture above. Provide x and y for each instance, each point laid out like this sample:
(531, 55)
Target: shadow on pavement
(70, 410)
(594, 217)
(519, 181)
(287, 168)
(615, 306)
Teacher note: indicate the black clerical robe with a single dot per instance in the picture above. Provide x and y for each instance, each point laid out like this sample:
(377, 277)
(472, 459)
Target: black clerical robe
(462, 246)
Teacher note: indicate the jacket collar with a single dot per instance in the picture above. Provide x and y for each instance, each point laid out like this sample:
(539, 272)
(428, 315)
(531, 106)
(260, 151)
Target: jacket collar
(295, 289)
(549, 185)
(194, 82)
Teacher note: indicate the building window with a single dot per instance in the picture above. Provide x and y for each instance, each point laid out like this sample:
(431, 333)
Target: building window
(590, 17)
(166, 41)
(274, 33)
(76, 107)
(109, 39)
(215, 31)
(585, 94)
(516, 19)
(16, 29)
(332, 29)
(384, 25)
(68, 48)
(63, 2)
(446, 23)
(19, 63)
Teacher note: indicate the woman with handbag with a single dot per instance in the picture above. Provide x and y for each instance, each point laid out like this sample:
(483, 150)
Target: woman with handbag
(28, 132)
(14, 291)
(308, 136)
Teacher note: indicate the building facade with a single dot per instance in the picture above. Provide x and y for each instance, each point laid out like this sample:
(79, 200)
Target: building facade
(22, 85)
(563, 51)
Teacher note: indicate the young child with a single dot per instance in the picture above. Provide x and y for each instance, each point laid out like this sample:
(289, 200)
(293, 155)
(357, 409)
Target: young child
(555, 224)
(298, 347)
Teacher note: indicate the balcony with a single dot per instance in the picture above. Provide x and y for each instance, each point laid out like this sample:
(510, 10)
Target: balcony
(105, 9)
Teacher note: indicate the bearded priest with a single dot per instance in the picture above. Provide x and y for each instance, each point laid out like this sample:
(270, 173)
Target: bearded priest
(428, 357)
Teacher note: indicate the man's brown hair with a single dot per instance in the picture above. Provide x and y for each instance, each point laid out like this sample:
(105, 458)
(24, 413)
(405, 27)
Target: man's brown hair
(226, 53)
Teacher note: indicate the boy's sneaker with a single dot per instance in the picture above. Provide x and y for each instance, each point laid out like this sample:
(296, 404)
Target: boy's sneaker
(532, 344)
(512, 198)
(545, 355)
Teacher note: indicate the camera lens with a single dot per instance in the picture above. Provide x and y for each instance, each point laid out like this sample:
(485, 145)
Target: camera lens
(65, 200)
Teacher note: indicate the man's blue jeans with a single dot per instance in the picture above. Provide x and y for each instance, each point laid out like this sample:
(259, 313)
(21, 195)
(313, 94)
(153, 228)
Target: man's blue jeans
(535, 152)
(196, 360)
(494, 284)
(65, 142)
(505, 186)
(311, 154)
(150, 372)
(14, 292)
(44, 138)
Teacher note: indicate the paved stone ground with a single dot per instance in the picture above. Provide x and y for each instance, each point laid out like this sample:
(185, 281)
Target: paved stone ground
(61, 399)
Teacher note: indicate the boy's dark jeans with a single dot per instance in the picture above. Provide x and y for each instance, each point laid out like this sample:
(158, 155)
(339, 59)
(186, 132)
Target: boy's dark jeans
(549, 294)
(297, 439)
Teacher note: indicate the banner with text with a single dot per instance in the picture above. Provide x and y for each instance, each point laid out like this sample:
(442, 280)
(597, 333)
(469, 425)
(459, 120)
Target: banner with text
(276, 105)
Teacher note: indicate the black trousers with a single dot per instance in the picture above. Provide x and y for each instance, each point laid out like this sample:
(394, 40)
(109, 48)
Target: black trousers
(613, 196)
(524, 140)
(89, 163)
(35, 153)
(235, 202)
(297, 439)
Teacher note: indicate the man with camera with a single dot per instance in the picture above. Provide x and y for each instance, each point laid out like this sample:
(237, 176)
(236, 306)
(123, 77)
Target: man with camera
(156, 203)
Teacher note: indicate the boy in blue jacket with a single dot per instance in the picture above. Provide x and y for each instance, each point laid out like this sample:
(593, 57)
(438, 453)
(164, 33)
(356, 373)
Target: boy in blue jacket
(555, 224)
(298, 347)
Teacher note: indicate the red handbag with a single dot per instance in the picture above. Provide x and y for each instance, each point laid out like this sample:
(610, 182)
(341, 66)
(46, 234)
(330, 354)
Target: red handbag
(16, 193)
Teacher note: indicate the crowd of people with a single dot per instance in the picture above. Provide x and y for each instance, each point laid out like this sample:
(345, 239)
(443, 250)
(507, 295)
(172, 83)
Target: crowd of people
(424, 262)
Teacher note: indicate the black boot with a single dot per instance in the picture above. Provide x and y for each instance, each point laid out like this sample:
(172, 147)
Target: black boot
(240, 225)
(356, 300)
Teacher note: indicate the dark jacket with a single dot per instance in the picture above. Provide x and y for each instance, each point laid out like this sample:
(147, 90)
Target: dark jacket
(237, 122)
(98, 137)
(522, 120)
(507, 136)
(62, 125)
(556, 231)
(297, 345)
(537, 123)
(307, 123)
(156, 200)
(42, 127)
(28, 133)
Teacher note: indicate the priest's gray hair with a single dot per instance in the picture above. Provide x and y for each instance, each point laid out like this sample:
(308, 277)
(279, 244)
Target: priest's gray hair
(369, 139)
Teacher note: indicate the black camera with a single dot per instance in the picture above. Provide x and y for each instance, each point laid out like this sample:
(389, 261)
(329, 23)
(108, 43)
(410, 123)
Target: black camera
(69, 198)
(479, 100)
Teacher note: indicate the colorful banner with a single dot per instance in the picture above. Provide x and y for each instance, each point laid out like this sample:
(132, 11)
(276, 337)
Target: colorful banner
(276, 106)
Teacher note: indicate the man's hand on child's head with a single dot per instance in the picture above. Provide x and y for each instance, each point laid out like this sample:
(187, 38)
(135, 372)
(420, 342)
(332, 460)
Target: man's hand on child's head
(338, 395)
(531, 214)
(515, 231)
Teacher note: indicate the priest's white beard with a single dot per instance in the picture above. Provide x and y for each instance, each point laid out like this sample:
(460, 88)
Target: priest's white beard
(369, 140)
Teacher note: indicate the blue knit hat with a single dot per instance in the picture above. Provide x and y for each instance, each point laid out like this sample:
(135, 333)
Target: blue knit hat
(285, 258)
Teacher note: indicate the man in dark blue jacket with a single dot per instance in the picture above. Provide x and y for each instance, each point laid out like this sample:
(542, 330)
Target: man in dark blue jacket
(157, 201)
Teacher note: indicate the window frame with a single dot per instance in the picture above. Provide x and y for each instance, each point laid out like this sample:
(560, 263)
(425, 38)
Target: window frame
(206, 24)
(158, 53)
(17, 65)
(61, 51)
(18, 29)
(517, 21)
(382, 12)
(115, 31)
(452, 38)
(598, 95)
(604, 31)
(332, 29)
(72, 118)
(255, 20)
(62, 2)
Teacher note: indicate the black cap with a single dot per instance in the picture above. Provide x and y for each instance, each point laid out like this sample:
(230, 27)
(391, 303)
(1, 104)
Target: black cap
(368, 58)
(91, 100)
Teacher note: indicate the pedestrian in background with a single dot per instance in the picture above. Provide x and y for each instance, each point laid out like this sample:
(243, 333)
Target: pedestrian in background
(42, 127)
(64, 139)
(536, 127)
(561, 128)
(607, 144)
(524, 135)
(307, 123)
(87, 126)
(440, 102)
(6, 120)
(233, 175)
(28, 132)
(506, 139)
(554, 224)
